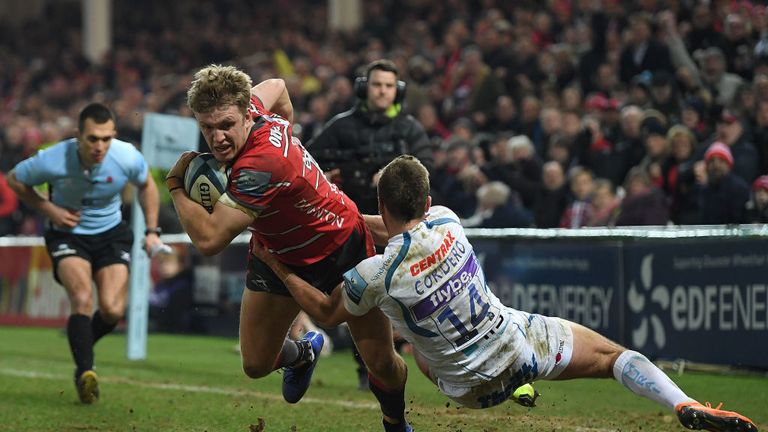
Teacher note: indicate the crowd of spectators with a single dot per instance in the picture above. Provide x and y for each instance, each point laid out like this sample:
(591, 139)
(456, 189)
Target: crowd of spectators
(561, 113)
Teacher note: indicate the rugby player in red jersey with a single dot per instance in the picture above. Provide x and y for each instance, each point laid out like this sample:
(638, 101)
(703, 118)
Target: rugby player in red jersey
(277, 191)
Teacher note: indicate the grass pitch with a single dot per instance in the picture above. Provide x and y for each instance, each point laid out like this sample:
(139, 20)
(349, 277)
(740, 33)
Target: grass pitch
(196, 384)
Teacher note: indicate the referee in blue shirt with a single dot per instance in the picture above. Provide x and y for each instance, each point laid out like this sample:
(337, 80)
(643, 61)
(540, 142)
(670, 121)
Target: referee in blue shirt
(86, 237)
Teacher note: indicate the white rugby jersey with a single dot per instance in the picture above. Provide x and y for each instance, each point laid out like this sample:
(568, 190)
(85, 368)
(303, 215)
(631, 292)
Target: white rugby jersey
(429, 283)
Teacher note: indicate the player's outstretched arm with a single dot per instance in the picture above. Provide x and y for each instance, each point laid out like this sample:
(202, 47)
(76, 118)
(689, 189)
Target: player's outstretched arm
(273, 94)
(326, 310)
(209, 232)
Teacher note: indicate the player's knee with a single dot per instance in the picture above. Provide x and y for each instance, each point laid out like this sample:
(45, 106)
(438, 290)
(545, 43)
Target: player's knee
(82, 302)
(111, 306)
(111, 314)
(386, 367)
(256, 369)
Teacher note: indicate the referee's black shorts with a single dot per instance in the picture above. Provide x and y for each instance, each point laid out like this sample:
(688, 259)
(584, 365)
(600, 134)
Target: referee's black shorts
(109, 247)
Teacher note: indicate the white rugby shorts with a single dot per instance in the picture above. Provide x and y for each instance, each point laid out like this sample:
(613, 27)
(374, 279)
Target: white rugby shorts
(545, 352)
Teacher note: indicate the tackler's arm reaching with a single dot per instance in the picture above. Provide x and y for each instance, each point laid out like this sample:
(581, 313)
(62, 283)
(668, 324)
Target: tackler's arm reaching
(326, 310)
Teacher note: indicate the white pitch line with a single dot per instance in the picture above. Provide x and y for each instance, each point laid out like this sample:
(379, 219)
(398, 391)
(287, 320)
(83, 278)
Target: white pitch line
(191, 388)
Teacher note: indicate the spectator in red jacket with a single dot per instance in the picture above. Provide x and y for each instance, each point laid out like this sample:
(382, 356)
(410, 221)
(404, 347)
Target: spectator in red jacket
(9, 204)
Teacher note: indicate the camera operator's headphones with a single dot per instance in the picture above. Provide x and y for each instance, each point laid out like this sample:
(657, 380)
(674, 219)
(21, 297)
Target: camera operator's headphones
(361, 89)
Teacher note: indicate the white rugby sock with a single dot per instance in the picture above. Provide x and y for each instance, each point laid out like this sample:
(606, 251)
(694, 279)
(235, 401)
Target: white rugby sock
(643, 378)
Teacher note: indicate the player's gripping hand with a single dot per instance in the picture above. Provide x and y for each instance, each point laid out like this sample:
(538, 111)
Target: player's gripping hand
(62, 217)
(175, 175)
(154, 246)
(261, 252)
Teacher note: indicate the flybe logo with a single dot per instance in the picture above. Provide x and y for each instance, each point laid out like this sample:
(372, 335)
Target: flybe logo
(435, 256)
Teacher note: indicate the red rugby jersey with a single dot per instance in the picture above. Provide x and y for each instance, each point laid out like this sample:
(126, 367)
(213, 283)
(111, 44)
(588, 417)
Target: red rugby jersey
(301, 216)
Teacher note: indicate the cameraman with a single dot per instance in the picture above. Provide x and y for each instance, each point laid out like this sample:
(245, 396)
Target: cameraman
(357, 143)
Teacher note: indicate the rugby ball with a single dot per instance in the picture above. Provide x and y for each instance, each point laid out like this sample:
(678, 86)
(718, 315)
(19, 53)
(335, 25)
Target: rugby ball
(205, 180)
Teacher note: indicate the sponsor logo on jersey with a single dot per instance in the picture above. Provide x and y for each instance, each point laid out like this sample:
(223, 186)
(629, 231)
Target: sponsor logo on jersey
(435, 257)
(446, 292)
(354, 285)
(559, 355)
(442, 270)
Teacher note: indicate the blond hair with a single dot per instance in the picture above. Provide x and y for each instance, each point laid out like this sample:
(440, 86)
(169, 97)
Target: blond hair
(676, 130)
(216, 86)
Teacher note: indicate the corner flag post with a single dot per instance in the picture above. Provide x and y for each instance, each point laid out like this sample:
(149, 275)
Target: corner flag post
(164, 138)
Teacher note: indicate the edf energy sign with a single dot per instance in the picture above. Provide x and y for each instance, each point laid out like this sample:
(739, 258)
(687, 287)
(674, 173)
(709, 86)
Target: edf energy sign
(708, 301)
(577, 282)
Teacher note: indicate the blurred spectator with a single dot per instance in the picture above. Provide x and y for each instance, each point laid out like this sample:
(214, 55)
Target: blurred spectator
(703, 33)
(757, 208)
(498, 207)
(715, 77)
(693, 116)
(605, 204)
(560, 150)
(504, 118)
(463, 128)
(552, 198)
(459, 178)
(171, 299)
(730, 131)
(679, 181)
(629, 145)
(9, 206)
(760, 134)
(597, 152)
(643, 204)
(724, 195)
(643, 53)
(657, 148)
(640, 90)
(435, 129)
(514, 163)
(473, 88)
(739, 46)
(341, 95)
(664, 95)
(530, 125)
(745, 105)
(578, 212)
(318, 115)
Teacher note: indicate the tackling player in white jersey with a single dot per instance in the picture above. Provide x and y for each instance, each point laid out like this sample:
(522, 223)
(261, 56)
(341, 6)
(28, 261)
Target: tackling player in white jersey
(429, 283)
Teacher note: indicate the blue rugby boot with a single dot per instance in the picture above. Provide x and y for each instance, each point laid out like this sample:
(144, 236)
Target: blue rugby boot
(400, 427)
(296, 379)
